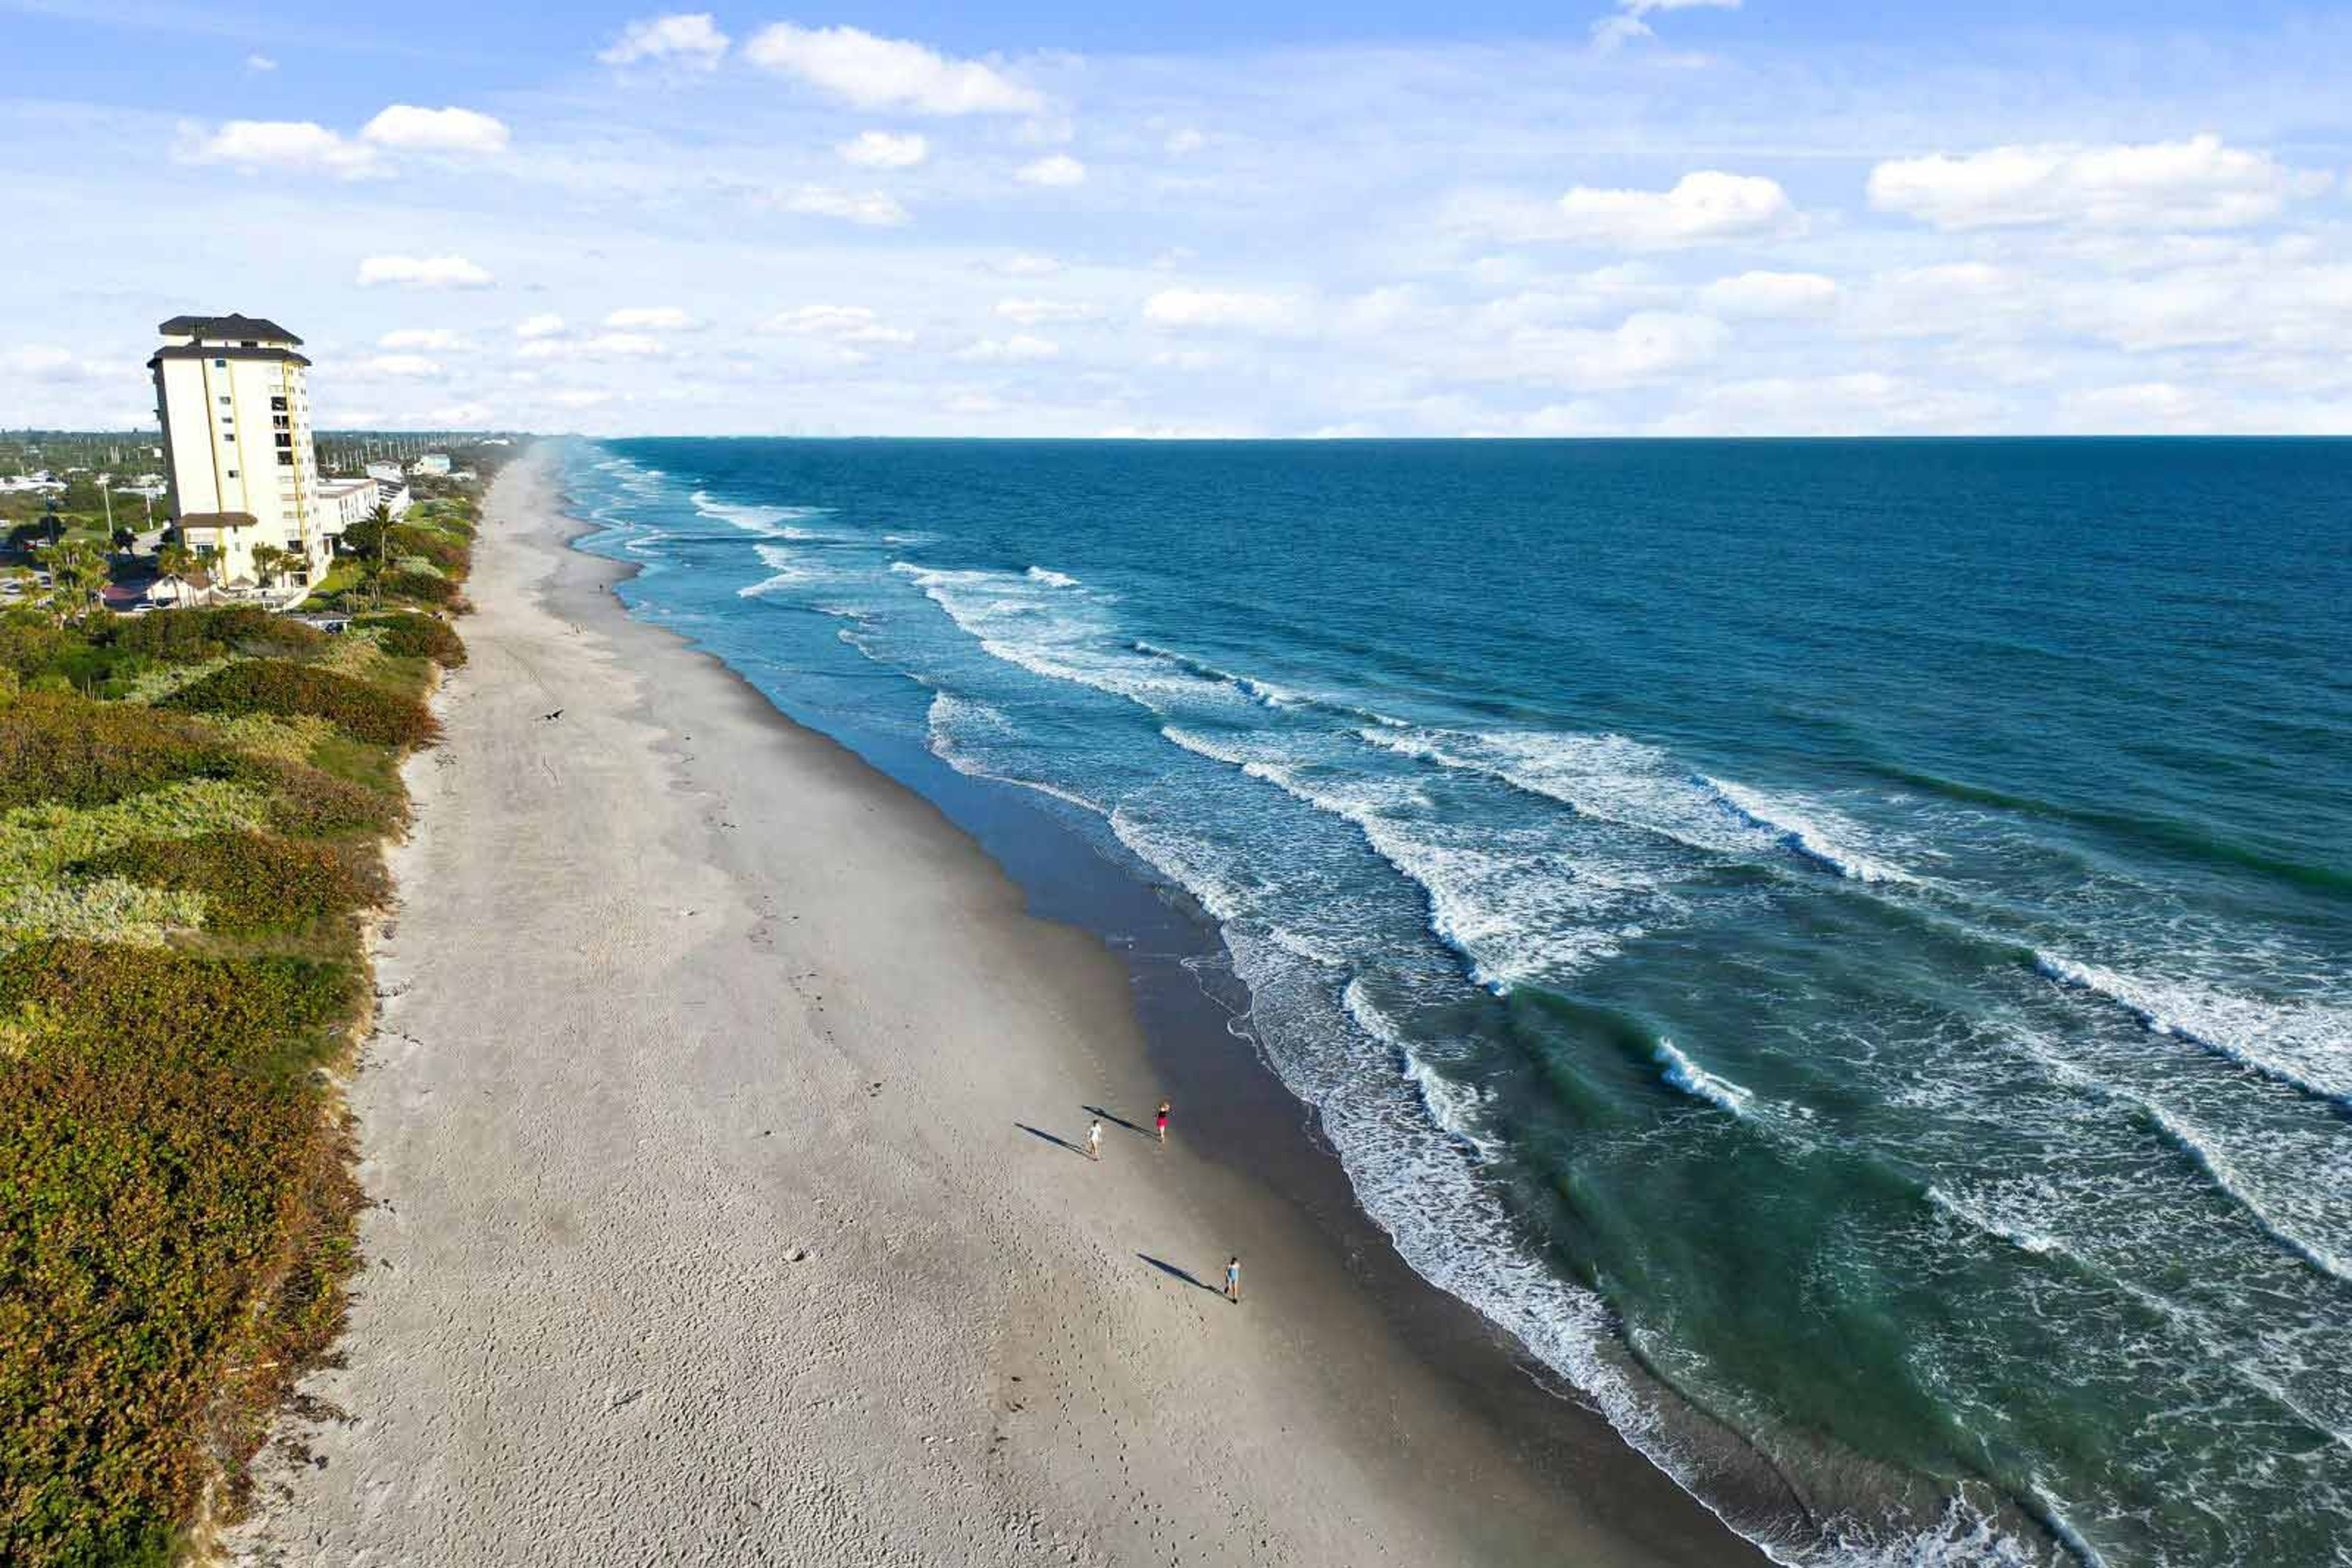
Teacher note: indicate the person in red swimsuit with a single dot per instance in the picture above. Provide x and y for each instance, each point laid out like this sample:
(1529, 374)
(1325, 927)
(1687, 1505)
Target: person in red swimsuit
(1163, 1122)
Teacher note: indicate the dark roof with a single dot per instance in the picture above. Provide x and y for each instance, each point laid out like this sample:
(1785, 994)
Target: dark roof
(228, 326)
(213, 351)
(215, 519)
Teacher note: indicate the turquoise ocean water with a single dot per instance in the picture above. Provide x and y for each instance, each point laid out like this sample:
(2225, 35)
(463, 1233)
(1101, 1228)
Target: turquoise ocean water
(1844, 949)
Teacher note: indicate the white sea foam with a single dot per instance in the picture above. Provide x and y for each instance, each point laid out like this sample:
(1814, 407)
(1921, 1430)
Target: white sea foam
(2224, 1175)
(1603, 777)
(958, 726)
(1061, 633)
(1051, 579)
(1975, 1219)
(1455, 1107)
(769, 521)
(1628, 783)
(1810, 831)
(2308, 1049)
(1507, 905)
(1700, 1084)
(786, 571)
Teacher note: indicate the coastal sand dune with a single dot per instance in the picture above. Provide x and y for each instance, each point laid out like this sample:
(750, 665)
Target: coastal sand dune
(721, 1125)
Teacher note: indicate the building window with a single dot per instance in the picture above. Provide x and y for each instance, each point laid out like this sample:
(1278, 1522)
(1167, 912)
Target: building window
(277, 405)
(224, 397)
(286, 458)
(221, 364)
(232, 473)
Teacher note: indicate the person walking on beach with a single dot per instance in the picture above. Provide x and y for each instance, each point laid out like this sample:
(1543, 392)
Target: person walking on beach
(1233, 1280)
(1094, 1140)
(1163, 1124)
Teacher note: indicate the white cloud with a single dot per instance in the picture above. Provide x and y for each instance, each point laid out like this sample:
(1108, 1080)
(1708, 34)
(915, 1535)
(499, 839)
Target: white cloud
(1175, 432)
(423, 272)
(1703, 207)
(41, 361)
(1184, 139)
(1058, 169)
(1555, 419)
(544, 325)
(2196, 183)
(650, 319)
(886, 150)
(579, 398)
(259, 62)
(888, 73)
(403, 364)
(601, 345)
(1034, 312)
(1854, 402)
(408, 129)
(1645, 346)
(441, 340)
(1630, 20)
(874, 209)
(839, 325)
(1769, 294)
(688, 38)
(293, 145)
(1019, 349)
(1189, 360)
(1029, 267)
(1212, 308)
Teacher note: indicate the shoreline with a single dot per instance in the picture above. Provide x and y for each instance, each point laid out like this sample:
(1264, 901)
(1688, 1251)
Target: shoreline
(1349, 1412)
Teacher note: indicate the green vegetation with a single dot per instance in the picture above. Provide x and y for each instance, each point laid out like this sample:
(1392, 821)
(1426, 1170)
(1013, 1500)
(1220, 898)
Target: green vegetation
(423, 559)
(417, 636)
(249, 879)
(362, 709)
(191, 804)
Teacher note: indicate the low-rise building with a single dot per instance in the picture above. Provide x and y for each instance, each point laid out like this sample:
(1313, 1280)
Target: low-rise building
(434, 463)
(342, 502)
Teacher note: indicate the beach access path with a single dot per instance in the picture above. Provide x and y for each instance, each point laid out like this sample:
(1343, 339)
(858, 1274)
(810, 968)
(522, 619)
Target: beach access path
(720, 1124)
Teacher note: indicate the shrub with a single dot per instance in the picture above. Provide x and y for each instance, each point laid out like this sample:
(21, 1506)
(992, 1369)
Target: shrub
(415, 586)
(445, 554)
(273, 686)
(311, 803)
(249, 878)
(411, 635)
(158, 1173)
(287, 738)
(160, 1005)
(29, 644)
(60, 747)
(112, 908)
(36, 842)
(191, 636)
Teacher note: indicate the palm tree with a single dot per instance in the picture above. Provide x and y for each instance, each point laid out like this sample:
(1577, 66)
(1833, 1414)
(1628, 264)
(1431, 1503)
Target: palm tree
(177, 562)
(78, 577)
(269, 564)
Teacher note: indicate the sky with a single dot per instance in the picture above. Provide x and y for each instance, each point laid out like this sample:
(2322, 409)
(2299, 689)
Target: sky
(1586, 217)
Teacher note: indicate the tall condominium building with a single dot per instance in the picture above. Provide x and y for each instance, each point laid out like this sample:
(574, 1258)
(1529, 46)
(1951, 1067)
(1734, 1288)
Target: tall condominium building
(237, 427)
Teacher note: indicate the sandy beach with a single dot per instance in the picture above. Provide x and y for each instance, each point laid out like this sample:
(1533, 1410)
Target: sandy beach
(722, 1127)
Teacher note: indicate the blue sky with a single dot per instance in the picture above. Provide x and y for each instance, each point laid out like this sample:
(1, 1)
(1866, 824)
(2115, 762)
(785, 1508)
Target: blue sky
(1625, 216)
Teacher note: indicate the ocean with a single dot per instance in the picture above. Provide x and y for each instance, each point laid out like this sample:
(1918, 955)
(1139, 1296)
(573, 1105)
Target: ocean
(1844, 949)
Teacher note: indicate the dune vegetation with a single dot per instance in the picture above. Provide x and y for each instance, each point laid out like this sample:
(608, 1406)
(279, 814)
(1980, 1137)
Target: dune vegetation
(192, 808)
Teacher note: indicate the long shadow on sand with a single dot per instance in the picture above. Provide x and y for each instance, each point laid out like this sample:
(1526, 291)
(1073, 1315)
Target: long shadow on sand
(1116, 1120)
(1174, 1272)
(1050, 1138)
